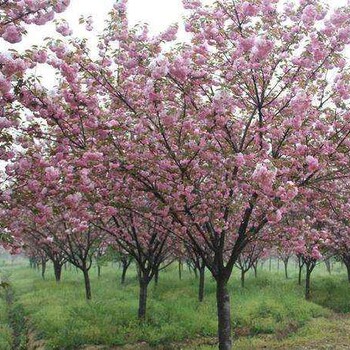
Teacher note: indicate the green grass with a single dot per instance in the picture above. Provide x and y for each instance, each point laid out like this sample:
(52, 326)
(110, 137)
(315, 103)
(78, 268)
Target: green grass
(5, 330)
(6, 338)
(269, 310)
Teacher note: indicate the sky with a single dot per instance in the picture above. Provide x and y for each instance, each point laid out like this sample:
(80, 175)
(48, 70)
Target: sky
(159, 14)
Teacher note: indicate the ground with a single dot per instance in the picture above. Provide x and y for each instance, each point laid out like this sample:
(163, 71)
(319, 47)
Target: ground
(269, 313)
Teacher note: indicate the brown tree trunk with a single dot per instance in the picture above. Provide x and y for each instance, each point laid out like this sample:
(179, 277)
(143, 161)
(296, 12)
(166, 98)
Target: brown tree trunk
(328, 265)
(180, 270)
(300, 265)
(224, 314)
(143, 282)
(242, 278)
(57, 267)
(285, 262)
(43, 268)
(125, 267)
(98, 271)
(156, 277)
(309, 268)
(307, 284)
(201, 283)
(346, 262)
(299, 275)
(87, 284)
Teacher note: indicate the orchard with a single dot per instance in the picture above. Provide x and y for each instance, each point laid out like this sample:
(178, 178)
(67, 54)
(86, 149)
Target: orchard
(212, 156)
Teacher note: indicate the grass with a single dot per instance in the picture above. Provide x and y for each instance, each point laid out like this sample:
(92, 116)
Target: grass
(270, 310)
(5, 330)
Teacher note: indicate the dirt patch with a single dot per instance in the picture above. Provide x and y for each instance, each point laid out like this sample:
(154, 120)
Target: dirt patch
(291, 328)
(171, 346)
(32, 341)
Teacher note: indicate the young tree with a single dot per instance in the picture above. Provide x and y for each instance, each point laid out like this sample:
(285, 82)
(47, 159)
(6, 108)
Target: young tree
(198, 264)
(125, 260)
(249, 258)
(146, 241)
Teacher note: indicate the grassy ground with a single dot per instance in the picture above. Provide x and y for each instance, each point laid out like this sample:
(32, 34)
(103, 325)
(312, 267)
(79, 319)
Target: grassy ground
(270, 313)
(5, 331)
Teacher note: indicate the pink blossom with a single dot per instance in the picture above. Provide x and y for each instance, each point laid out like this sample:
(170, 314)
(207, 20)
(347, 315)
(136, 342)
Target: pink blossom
(274, 217)
(265, 175)
(12, 34)
(52, 173)
(63, 28)
(240, 159)
(309, 14)
(315, 253)
(312, 163)
(160, 68)
(249, 9)
(288, 192)
(5, 85)
(40, 56)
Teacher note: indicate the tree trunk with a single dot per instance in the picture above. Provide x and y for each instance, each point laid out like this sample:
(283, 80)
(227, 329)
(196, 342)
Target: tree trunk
(278, 264)
(300, 264)
(142, 299)
(242, 278)
(285, 262)
(307, 283)
(98, 271)
(125, 267)
(87, 284)
(201, 283)
(57, 267)
(180, 270)
(347, 264)
(270, 264)
(156, 277)
(255, 268)
(43, 268)
(224, 314)
(310, 265)
(328, 265)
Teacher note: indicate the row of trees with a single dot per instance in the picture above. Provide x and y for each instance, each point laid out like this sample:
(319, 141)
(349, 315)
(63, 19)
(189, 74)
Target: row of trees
(42, 251)
(237, 137)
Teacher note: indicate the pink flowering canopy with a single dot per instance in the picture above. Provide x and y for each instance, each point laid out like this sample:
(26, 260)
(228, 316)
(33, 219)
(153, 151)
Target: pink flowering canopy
(15, 13)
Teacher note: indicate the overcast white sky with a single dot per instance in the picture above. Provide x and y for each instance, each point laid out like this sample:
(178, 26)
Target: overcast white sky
(159, 14)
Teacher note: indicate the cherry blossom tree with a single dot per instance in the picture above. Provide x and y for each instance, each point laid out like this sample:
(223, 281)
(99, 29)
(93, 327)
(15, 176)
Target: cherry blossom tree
(224, 136)
(249, 258)
(144, 239)
(195, 259)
